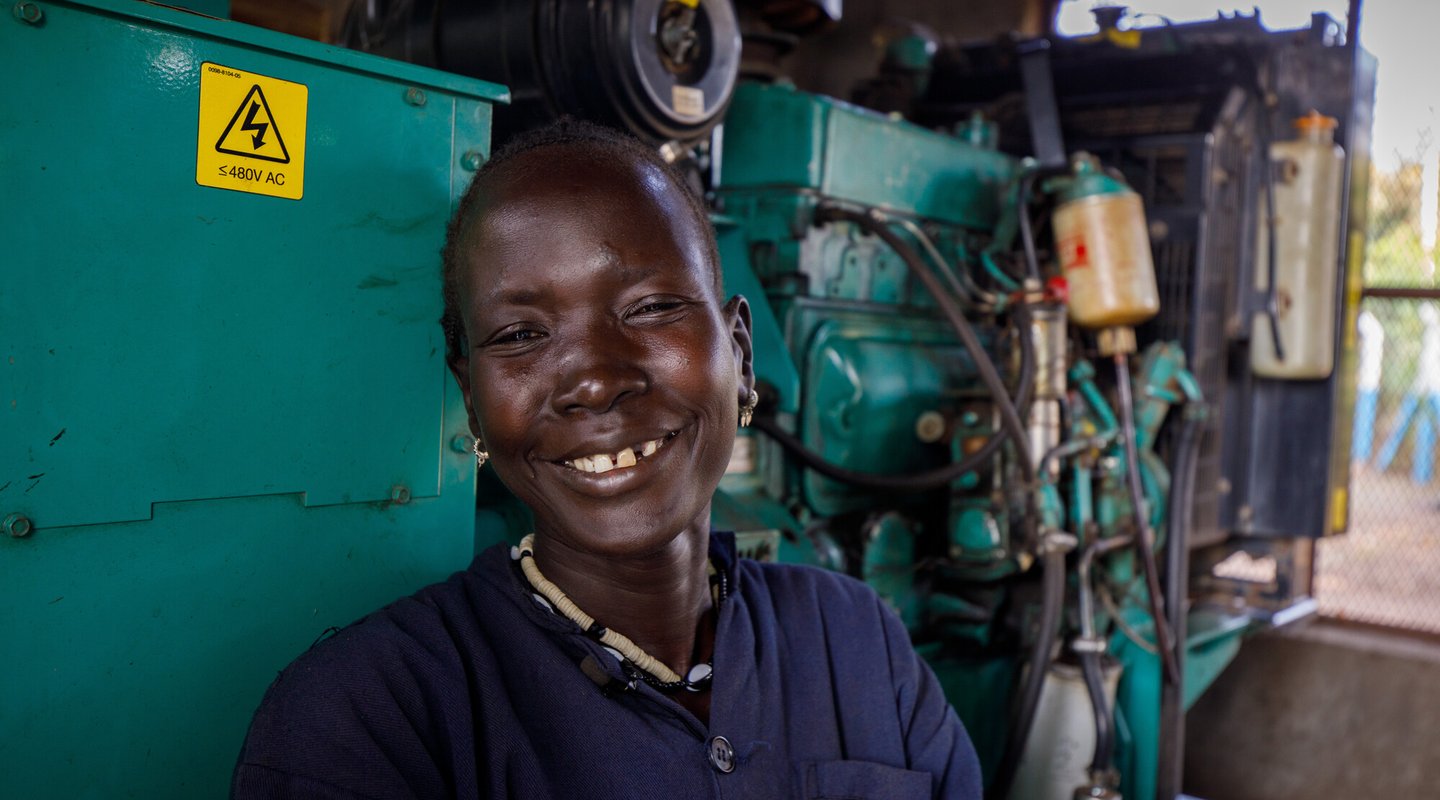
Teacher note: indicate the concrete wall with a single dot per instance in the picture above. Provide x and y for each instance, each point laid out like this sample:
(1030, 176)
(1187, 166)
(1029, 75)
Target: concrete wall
(1330, 710)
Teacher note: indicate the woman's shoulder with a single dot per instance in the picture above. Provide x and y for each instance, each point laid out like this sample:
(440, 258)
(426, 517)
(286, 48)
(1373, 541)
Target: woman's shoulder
(434, 628)
(387, 686)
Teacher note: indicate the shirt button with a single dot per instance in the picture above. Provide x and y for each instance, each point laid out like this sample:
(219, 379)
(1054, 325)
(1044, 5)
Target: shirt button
(722, 755)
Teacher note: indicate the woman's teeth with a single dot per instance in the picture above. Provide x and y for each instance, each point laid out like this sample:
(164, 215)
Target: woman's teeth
(604, 462)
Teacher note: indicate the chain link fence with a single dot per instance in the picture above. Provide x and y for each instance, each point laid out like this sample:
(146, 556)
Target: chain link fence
(1386, 570)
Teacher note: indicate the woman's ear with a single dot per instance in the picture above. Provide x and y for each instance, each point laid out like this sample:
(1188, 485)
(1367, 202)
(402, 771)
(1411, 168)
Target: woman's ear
(460, 368)
(737, 314)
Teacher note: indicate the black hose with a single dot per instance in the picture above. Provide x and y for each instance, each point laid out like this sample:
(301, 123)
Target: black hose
(1009, 416)
(1094, 673)
(1272, 293)
(914, 482)
(1267, 184)
(1089, 646)
(1144, 536)
(1177, 574)
(1052, 600)
(1027, 235)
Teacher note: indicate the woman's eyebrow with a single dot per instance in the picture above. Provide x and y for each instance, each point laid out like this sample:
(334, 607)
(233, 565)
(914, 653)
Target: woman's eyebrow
(517, 296)
(633, 274)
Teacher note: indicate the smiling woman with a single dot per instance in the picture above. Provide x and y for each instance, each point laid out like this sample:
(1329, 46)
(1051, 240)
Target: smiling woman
(622, 650)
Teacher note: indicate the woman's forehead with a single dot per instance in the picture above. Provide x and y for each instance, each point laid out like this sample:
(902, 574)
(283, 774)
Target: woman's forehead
(628, 230)
(575, 202)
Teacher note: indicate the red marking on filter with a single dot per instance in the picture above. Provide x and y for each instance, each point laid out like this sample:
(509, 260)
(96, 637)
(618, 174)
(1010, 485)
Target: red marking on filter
(1073, 252)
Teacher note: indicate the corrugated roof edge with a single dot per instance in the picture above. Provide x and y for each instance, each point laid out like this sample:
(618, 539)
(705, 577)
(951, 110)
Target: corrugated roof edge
(296, 47)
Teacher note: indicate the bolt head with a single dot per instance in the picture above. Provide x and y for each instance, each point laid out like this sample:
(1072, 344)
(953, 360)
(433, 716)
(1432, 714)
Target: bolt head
(472, 160)
(18, 526)
(29, 12)
(415, 97)
(930, 427)
(399, 494)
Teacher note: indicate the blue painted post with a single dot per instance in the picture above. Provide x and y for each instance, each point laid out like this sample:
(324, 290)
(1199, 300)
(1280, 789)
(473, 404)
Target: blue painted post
(1427, 391)
(1402, 426)
(1372, 351)
(1423, 458)
(1366, 401)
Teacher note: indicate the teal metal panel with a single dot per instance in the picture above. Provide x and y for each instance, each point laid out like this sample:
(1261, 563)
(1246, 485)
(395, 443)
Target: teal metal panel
(138, 651)
(772, 360)
(868, 377)
(777, 137)
(225, 414)
(774, 136)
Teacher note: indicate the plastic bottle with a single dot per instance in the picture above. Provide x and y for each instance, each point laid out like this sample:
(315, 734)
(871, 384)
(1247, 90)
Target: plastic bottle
(1062, 741)
(1308, 179)
(1104, 249)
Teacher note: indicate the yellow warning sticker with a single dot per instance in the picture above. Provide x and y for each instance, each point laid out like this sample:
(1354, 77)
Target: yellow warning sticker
(252, 133)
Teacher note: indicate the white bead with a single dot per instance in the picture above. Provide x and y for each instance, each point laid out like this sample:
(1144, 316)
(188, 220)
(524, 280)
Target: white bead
(698, 673)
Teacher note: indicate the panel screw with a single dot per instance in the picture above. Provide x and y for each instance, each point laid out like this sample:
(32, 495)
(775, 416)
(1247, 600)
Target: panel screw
(472, 160)
(18, 526)
(930, 427)
(462, 443)
(29, 12)
(414, 96)
(399, 494)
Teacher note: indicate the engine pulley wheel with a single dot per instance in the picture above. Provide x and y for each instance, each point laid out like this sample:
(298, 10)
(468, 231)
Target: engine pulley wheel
(662, 69)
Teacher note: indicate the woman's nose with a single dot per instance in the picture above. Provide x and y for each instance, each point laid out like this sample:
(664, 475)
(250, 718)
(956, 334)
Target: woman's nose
(597, 383)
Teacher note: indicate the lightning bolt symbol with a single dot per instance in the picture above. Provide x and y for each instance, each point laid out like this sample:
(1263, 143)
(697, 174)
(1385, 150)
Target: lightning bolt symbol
(258, 138)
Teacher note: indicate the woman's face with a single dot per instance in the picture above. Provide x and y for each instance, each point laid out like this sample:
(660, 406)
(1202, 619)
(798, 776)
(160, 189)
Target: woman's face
(603, 374)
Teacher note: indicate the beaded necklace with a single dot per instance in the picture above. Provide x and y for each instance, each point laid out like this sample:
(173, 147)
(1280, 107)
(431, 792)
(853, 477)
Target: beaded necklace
(636, 662)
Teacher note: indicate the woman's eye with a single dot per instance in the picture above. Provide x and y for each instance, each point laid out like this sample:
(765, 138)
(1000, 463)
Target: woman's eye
(654, 307)
(517, 336)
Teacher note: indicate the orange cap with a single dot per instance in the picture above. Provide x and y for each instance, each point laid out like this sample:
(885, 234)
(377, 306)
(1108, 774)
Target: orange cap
(1315, 121)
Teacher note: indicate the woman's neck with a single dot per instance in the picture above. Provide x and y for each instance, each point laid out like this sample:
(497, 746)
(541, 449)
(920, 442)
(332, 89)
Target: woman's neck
(660, 601)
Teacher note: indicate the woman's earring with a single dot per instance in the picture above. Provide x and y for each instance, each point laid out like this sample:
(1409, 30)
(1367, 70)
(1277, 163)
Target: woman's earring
(747, 408)
(481, 456)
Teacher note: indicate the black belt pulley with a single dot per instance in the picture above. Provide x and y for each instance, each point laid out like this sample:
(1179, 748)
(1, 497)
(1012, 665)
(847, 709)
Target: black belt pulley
(662, 69)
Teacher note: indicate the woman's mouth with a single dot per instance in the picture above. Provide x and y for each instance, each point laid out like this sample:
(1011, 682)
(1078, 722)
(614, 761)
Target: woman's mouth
(622, 459)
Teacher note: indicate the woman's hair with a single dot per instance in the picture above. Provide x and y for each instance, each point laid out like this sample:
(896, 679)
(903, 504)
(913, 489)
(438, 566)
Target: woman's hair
(606, 144)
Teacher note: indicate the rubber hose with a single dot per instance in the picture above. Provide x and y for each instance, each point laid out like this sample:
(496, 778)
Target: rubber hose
(1051, 603)
(1177, 573)
(1143, 535)
(1027, 235)
(918, 481)
(914, 482)
(1182, 498)
(1094, 673)
(1267, 182)
(1009, 415)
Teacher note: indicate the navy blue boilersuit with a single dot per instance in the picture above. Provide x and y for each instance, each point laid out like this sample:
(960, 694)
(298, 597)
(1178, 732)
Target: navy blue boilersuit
(471, 688)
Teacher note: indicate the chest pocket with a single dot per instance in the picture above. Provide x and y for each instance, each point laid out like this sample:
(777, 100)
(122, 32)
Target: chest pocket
(864, 780)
